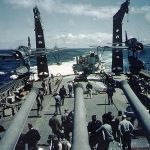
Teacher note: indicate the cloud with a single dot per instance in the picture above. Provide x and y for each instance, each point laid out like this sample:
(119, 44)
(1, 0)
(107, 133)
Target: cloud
(145, 10)
(104, 12)
(80, 40)
(140, 10)
(69, 40)
(22, 3)
(55, 6)
(147, 17)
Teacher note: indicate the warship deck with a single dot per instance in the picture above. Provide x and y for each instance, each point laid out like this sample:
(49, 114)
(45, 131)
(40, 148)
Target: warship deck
(97, 105)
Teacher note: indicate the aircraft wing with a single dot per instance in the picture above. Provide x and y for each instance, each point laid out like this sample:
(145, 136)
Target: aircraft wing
(147, 45)
(44, 51)
(95, 46)
(118, 47)
(5, 55)
(115, 47)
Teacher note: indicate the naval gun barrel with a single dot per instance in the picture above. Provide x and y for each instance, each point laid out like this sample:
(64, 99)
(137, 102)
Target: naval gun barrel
(140, 111)
(12, 134)
(80, 133)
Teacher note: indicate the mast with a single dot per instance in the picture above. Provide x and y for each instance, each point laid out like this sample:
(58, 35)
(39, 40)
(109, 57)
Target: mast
(29, 43)
(42, 66)
(117, 55)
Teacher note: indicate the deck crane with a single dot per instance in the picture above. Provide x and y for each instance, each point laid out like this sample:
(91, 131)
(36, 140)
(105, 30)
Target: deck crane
(117, 55)
(42, 66)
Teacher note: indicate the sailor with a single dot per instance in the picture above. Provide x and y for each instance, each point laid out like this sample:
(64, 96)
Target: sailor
(105, 135)
(89, 89)
(70, 88)
(62, 93)
(2, 130)
(52, 77)
(65, 122)
(57, 103)
(69, 124)
(65, 143)
(32, 137)
(125, 128)
(116, 132)
(39, 106)
(41, 95)
(109, 92)
(20, 144)
(44, 86)
(92, 127)
(55, 125)
(64, 117)
(49, 86)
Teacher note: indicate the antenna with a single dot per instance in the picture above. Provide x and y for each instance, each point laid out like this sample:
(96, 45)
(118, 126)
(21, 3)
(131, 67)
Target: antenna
(138, 36)
(29, 43)
(126, 36)
(128, 10)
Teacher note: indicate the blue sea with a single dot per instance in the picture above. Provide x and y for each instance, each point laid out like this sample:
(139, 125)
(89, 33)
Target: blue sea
(67, 58)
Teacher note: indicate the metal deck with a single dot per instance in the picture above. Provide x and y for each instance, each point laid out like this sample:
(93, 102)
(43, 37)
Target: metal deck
(97, 105)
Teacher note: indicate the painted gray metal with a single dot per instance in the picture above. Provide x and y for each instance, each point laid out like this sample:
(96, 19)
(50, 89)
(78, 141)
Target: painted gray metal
(117, 54)
(139, 109)
(9, 141)
(80, 133)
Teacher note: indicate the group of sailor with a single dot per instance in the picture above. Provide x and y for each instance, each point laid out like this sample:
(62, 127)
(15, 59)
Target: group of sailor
(102, 133)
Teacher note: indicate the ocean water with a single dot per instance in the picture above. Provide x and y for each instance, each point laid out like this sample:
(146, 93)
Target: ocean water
(67, 59)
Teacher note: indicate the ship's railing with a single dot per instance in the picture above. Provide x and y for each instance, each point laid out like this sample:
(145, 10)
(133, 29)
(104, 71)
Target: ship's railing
(9, 140)
(9, 88)
(140, 111)
(56, 80)
(80, 133)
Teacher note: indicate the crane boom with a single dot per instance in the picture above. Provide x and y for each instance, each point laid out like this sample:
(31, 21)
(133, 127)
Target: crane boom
(117, 55)
(42, 66)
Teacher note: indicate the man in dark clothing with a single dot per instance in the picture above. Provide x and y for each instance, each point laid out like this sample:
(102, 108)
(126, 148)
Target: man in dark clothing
(2, 130)
(109, 92)
(89, 89)
(41, 96)
(92, 127)
(43, 86)
(107, 117)
(49, 86)
(69, 124)
(70, 88)
(20, 144)
(55, 125)
(39, 106)
(57, 103)
(64, 122)
(62, 93)
(32, 137)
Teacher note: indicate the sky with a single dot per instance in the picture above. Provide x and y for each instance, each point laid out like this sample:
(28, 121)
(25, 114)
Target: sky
(70, 23)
